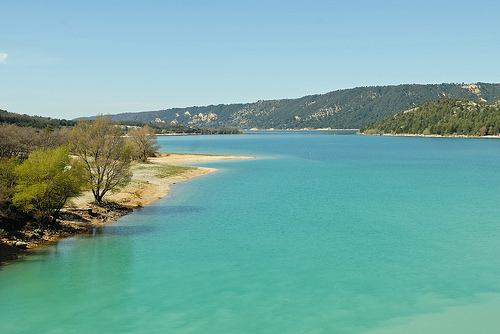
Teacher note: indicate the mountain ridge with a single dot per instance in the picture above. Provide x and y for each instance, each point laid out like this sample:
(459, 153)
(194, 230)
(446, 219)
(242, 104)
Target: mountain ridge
(350, 108)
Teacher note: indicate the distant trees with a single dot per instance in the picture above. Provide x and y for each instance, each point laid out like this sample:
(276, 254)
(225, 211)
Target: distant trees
(10, 217)
(7, 181)
(37, 122)
(21, 141)
(144, 140)
(105, 154)
(341, 109)
(444, 116)
(16, 145)
(45, 181)
(169, 128)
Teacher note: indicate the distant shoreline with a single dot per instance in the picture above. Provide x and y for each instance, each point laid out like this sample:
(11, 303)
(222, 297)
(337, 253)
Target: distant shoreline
(427, 136)
(304, 129)
(81, 216)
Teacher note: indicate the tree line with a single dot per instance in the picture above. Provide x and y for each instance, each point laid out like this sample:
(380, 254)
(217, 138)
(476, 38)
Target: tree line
(36, 122)
(41, 170)
(445, 117)
(47, 123)
(166, 128)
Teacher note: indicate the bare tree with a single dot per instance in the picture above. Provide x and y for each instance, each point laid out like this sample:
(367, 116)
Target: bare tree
(7, 182)
(145, 142)
(105, 154)
(16, 141)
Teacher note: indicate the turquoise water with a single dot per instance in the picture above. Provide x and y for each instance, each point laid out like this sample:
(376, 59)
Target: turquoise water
(321, 233)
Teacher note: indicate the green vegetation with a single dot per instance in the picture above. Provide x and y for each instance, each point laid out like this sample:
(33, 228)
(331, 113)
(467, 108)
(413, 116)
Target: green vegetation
(164, 171)
(442, 117)
(38, 173)
(45, 181)
(342, 109)
(16, 145)
(170, 170)
(7, 183)
(179, 129)
(36, 122)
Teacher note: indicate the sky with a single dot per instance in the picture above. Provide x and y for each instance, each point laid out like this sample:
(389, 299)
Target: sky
(69, 59)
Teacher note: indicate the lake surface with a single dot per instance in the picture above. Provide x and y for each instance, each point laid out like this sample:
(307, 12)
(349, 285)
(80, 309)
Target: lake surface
(322, 233)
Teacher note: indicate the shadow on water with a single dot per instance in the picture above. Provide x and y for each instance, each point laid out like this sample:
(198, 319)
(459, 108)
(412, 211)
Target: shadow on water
(181, 209)
(122, 230)
(138, 224)
(133, 225)
(170, 210)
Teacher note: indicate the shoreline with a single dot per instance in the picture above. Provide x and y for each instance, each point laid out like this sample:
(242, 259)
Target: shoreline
(302, 129)
(150, 182)
(427, 136)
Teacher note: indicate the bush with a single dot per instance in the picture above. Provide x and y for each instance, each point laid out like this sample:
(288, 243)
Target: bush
(45, 181)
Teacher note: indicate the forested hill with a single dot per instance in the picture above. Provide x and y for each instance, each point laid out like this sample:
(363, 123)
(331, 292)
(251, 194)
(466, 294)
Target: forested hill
(445, 117)
(32, 121)
(342, 109)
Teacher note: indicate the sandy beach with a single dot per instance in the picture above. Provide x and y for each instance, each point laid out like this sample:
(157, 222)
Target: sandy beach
(150, 182)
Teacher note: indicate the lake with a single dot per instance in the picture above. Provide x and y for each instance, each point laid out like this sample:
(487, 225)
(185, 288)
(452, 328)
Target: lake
(324, 232)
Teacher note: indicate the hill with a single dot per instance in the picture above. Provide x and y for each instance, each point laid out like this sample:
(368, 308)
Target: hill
(446, 116)
(341, 109)
(37, 122)
(47, 123)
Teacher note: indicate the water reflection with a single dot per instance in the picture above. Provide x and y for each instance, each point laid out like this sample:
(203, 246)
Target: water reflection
(122, 230)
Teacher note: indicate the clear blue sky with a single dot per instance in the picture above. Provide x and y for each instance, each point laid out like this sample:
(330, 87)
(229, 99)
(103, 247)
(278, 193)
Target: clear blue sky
(67, 59)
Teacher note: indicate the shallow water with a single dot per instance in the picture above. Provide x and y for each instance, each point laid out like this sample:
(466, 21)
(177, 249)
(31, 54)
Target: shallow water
(321, 233)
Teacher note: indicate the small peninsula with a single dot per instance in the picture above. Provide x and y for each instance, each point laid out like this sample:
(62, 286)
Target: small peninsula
(442, 117)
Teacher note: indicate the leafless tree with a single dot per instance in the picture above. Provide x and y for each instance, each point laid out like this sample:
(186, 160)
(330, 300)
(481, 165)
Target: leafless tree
(145, 142)
(105, 153)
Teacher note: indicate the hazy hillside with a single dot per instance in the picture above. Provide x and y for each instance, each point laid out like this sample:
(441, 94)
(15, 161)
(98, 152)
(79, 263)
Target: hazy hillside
(444, 116)
(342, 109)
